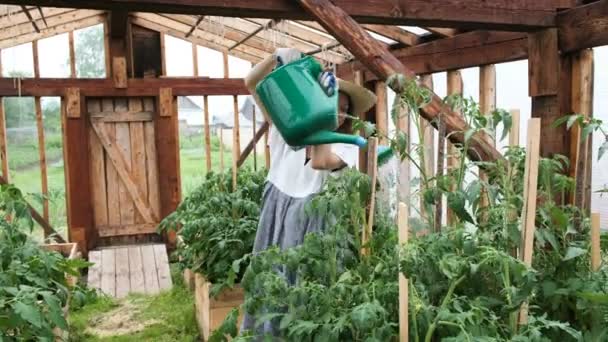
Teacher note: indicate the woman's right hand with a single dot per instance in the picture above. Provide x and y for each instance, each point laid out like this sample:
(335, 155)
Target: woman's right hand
(286, 55)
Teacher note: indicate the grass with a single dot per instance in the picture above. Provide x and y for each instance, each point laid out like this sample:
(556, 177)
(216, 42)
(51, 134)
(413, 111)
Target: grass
(168, 316)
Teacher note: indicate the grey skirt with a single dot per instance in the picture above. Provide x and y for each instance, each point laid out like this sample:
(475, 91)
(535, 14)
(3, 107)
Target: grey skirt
(284, 222)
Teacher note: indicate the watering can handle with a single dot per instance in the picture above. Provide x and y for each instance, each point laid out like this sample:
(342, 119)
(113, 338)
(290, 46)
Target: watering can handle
(330, 137)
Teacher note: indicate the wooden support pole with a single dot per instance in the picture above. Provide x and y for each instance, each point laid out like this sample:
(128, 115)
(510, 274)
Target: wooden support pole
(163, 56)
(596, 258)
(221, 149)
(372, 171)
(254, 141)
(268, 25)
(31, 19)
(528, 214)
(255, 144)
(35, 59)
(455, 87)
(3, 143)
(73, 56)
(381, 112)
(358, 78)
(207, 134)
(383, 64)
(440, 172)
(226, 67)
(119, 72)
(581, 150)
(428, 143)
(42, 157)
(487, 105)
(403, 224)
(236, 141)
(195, 60)
(404, 187)
(514, 132)
(106, 48)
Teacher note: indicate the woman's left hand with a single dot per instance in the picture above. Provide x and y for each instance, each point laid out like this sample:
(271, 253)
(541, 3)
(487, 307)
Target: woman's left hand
(328, 82)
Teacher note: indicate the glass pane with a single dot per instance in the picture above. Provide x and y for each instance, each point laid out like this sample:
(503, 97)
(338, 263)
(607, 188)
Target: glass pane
(18, 61)
(178, 55)
(90, 52)
(191, 138)
(512, 93)
(210, 63)
(54, 56)
(237, 67)
(599, 178)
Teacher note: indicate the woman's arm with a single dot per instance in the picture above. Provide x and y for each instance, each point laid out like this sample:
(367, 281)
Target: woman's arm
(322, 158)
(256, 74)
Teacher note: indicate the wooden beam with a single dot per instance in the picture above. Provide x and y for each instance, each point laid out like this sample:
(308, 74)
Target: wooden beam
(251, 145)
(119, 72)
(442, 32)
(380, 61)
(266, 26)
(583, 27)
(500, 14)
(29, 16)
(11, 20)
(195, 26)
(118, 23)
(395, 33)
(165, 102)
(42, 159)
(42, 16)
(327, 47)
(461, 51)
(181, 86)
(381, 112)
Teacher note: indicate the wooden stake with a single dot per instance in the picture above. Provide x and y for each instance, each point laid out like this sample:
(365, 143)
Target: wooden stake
(372, 169)
(487, 105)
(236, 141)
(596, 259)
(221, 149)
(207, 134)
(528, 213)
(226, 67)
(404, 189)
(440, 168)
(428, 141)
(255, 150)
(381, 112)
(3, 144)
(403, 216)
(163, 56)
(455, 87)
(73, 55)
(35, 59)
(514, 132)
(42, 157)
(194, 60)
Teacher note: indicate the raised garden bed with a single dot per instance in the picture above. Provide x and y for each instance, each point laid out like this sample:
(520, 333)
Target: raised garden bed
(211, 312)
(68, 250)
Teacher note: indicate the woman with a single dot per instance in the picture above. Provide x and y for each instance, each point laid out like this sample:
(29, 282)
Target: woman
(296, 176)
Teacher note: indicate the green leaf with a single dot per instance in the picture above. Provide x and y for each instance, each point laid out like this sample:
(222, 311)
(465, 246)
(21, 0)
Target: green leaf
(29, 313)
(602, 150)
(574, 252)
(457, 202)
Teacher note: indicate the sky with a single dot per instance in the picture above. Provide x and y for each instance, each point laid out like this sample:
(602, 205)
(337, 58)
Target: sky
(511, 85)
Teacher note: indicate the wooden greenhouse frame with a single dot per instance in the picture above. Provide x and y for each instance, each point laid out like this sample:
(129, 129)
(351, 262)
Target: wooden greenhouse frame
(365, 40)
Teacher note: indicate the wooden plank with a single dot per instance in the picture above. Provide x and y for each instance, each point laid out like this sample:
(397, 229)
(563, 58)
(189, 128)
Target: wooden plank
(236, 141)
(106, 46)
(3, 142)
(380, 61)
(542, 46)
(112, 178)
(119, 72)
(404, 188)
(123, 116)
(428, 141)
(138, 154)
(151, 168)
(514, 132)
(136, 270)
(211, 312)
(583, 26)
(500, 14)
(72, 53)
(440, 172)
(487, 105)
(596, 258)
(123, 146)
(528, 213)
(454, 87)
(123, 282)
(166, 101)
(150, 273)
(194, 60)
(73, 102)
(94, 273)
(35, 59)
(402, 221)
(372, 171)
(581, 150)
(42, 159)
(207, 138)
(108, 272)
(381, 112)
(226, 65)
(137, 87)
(162, 266)
(125, 230)
(163, 54)
(121, 166)
(395, 33)
(98, 174)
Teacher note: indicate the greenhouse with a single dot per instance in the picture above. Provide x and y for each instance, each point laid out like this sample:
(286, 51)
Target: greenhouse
(310, 170)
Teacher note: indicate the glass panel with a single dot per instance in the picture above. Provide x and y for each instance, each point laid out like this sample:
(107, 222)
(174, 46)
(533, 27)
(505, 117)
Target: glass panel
(237, 67)
(178, 56)
(18, 61)
(90, 52)
(210, 62)
(54, 56)
(599, 178)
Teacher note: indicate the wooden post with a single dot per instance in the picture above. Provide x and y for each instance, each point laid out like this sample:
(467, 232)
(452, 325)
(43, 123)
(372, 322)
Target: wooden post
(383, 64)
(514, 132)
(106, 44)
(455, 87)
(381, 112)
(3, 140)
(372, 171)
(487, 105)
(266, 150)
(440, 171)
(119, 72)
(236, 141)
(596, 259)
(528, 213)
(42, 157)
(404, 188)
(226, 66)
(207, 134)
(403, 224)
(221, 149)
(255, 150)
(428, 141)
(581, 150)
(358, 78)
(73, 56)
(194, 60)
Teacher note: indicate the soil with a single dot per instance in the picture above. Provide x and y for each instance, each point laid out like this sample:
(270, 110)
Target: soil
(123, 320)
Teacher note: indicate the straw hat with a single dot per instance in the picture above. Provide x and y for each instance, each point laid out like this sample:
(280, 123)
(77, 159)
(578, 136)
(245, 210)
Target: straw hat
(361, 99)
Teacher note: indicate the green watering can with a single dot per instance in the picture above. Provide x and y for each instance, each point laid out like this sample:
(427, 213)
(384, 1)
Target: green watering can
(299, 108)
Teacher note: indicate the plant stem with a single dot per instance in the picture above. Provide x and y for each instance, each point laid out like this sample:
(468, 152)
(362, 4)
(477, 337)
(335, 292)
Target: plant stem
(444, 304)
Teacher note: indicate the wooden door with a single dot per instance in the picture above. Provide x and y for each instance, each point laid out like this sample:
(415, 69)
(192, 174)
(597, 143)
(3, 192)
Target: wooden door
(124, 170)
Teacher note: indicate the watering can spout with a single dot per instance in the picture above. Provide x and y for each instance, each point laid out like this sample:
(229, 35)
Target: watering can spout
(330, 137)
